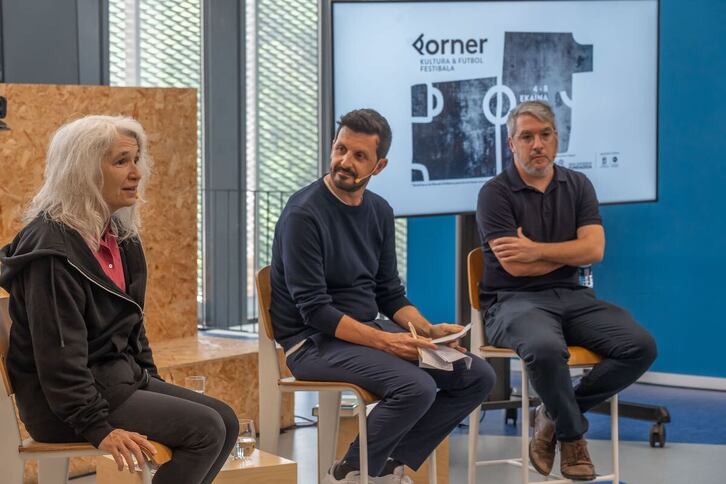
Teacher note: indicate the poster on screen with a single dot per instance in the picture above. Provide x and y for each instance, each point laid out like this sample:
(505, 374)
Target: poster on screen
(446, 74)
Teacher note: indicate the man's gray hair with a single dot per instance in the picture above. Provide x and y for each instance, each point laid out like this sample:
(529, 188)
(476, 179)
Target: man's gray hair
(539, 109)
(71, 191)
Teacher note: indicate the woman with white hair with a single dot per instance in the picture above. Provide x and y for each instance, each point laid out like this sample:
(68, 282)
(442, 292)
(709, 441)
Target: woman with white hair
(79, 357)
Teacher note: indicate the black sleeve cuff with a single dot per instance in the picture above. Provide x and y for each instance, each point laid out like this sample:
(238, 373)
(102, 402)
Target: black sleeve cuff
(502, 233)
(590, 221)
(326, 319)
(97, 432)
(391, 307)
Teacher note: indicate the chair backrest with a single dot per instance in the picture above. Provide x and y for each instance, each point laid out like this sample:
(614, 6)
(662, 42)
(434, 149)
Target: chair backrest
(264, 297)
(10, 438)
(5, 341)
(269, 365)
(475, 269)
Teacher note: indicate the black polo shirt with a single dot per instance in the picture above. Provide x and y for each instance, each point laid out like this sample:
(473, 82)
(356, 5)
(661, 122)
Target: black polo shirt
(506, 202)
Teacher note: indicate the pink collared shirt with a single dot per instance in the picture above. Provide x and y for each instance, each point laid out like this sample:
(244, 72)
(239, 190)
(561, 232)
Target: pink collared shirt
(109, 256)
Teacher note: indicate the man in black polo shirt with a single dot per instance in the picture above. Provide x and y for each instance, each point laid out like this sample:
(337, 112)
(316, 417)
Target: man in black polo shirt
(538, 222)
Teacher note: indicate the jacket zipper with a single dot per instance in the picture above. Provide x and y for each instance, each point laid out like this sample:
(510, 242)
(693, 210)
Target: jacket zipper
(106, 289)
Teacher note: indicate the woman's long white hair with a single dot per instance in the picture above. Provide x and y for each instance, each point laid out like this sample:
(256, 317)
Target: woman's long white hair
(71, 191)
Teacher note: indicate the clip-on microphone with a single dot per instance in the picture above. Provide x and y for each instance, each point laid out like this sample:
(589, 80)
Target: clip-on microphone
(358, 180)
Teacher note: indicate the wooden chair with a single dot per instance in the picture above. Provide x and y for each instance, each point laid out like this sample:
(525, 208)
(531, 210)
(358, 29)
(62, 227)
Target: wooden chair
(272, 386)
(52, 458)
(579, 357)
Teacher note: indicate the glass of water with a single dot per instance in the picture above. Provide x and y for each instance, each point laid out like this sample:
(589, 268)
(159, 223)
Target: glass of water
(245, 441)
(196, 383)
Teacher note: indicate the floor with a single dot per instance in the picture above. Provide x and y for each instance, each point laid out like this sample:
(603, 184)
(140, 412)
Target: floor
(682, 461)
(695, 448)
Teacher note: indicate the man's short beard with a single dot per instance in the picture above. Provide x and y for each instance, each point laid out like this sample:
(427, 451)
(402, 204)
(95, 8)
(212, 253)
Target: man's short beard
(348, 188)
(536, 172)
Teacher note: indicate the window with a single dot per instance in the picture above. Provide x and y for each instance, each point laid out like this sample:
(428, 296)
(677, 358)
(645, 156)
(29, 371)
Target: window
(159, 43)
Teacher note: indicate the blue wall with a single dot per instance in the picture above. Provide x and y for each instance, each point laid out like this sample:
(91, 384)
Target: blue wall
(665, 261)
(431, 271)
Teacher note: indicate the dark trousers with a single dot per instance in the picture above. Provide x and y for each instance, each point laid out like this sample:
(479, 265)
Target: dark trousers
(200, 430)
(540, 325)
(412, 417)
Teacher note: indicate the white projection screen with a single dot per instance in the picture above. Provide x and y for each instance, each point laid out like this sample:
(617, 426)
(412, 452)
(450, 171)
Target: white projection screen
(446, 74)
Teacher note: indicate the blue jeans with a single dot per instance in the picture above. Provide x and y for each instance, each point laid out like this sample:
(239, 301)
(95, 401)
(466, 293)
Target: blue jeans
(418, 407)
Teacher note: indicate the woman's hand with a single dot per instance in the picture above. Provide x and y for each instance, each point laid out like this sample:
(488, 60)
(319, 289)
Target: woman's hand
(122, 445)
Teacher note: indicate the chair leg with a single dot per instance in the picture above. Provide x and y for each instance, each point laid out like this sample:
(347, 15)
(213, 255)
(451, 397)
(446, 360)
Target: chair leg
(525, 425)
(474, 417)
(12, 464)
(432, 468)
(146, 473)
(615, 438)
(53, 470)
(363, 443)
(13, 468)
(270, 411)
(328, 418)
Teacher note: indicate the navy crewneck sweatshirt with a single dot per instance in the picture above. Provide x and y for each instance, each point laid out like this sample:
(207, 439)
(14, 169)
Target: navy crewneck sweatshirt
(331, 259)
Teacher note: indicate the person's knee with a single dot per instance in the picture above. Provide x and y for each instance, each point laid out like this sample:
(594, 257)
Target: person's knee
(482, 377)
(229, 417)
(419, 390)
(645, 349)
(640, 346)
(208, 431)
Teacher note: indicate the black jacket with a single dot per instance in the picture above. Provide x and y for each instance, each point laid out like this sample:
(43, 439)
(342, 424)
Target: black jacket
(78, 348)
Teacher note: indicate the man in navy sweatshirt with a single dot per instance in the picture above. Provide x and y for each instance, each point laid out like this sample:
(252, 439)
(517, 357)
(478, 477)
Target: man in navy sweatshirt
(333, 272)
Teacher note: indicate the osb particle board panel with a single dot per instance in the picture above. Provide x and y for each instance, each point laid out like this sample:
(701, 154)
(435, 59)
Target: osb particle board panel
(169, 231)
(231, 368)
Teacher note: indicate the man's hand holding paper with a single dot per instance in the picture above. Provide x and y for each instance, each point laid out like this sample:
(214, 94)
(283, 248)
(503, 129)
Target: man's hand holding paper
(449, 334)
(446, 336)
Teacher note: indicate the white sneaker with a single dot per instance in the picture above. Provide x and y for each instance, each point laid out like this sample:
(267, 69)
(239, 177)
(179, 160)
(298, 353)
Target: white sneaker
(352, 477)
(397, 477)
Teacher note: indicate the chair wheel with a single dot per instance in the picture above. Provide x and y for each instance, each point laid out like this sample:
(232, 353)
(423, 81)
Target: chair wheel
(510, 414)
(657, 435)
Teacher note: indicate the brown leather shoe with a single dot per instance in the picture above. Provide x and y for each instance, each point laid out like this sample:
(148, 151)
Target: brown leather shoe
(575, 462)
(543, 444)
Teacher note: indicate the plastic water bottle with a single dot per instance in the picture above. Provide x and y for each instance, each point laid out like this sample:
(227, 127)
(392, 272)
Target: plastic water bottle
(585, 275)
